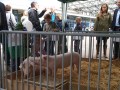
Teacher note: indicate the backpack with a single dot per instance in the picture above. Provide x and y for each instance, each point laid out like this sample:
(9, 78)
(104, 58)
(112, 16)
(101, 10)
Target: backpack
(11, 23)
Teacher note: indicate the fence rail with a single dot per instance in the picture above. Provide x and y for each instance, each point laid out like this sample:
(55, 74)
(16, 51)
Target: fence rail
(59, 61)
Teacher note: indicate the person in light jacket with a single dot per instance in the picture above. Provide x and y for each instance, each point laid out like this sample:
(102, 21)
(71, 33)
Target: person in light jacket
(12, 42)
(9, 15)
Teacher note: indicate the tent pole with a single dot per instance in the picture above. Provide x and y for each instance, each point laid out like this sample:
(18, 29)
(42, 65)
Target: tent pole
(64, 15)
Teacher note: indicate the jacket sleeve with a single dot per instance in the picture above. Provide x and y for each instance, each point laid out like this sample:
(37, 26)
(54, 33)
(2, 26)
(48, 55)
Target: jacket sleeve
(3, 25)
(110, 20)
(13, 19)
(33, 17)
(44, 27)
(42, 13)
(113, 20)
(96, 23)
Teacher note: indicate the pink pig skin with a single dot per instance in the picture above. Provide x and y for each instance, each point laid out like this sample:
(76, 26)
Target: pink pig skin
(36, 63)
(67, 58)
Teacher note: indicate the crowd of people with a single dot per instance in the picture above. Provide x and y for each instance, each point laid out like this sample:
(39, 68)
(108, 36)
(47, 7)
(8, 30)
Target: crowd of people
(53, 23)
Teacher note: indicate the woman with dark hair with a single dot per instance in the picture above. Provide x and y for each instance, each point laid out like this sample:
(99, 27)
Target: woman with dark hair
(102, 23)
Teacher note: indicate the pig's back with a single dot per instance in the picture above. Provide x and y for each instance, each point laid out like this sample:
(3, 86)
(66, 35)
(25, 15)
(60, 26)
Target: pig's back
(67, 58)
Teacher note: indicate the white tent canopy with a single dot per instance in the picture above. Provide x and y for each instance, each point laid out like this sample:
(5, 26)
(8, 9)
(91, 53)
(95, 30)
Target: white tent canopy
(87, 7)
(90, 7)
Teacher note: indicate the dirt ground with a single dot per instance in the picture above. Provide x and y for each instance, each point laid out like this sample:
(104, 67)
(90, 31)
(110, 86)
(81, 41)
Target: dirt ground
(104, 74)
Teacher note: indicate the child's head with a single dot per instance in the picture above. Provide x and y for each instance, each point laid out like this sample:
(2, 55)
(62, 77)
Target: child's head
(8, 8)
(25, 13)
(58, 17)
(47, 18)
(78, 19)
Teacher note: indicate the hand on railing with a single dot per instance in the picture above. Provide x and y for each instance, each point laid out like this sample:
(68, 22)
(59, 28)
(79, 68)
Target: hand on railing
(110, 30)
(55, 30)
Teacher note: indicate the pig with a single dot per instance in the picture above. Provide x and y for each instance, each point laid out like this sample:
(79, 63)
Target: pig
(67, 58)
(36, 63)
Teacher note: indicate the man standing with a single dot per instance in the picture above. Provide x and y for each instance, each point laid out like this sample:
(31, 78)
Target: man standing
(34, 16)
(116, 27)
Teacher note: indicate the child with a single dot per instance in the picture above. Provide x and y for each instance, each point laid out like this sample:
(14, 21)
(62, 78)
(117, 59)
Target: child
(78, 28)
(50, 26)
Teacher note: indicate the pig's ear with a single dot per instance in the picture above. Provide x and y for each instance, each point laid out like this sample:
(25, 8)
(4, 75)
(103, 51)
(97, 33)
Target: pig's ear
(44, 58)
(22, 65)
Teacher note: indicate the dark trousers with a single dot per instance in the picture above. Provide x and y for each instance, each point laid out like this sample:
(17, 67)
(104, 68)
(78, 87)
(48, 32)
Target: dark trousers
(104, 41)
(61, 45)
(4, 41)
(77, 45)
(116, 51)
(15, 63)
(7, 58)
(50, 50)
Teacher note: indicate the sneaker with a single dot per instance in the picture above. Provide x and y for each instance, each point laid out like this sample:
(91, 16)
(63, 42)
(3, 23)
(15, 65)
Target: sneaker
(117, 59)
(114, 58)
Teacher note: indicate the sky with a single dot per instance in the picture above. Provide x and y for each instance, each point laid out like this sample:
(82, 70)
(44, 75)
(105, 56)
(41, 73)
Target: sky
(24, 4)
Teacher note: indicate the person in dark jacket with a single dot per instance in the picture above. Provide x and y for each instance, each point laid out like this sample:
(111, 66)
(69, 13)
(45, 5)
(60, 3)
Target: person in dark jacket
(34, 16)
(116, 27)
(78, 27)
(59, 24)
(58, 21)
(3, 20)
(3, 26)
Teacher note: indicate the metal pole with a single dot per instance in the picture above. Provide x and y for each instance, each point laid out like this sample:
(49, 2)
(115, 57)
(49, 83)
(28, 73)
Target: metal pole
(64, 9)
(0, 69)
(63, 15)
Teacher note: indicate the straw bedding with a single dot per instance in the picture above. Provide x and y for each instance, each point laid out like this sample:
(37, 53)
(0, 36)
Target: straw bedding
(104, 74)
